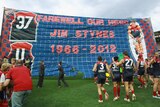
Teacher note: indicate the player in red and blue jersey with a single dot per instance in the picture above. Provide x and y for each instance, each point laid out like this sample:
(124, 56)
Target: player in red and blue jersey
(101, 68)
(116, 78)
(155, 61)
(149, 75)
(141, 68)
(128, 66)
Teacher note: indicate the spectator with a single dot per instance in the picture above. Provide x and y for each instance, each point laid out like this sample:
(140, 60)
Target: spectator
(5, 59)
(13, 62)
(22, 83)
(28, 63)
(3, 92)
(41, 74)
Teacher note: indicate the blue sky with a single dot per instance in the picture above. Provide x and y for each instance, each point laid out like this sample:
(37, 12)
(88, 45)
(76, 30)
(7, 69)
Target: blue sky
(91, 8)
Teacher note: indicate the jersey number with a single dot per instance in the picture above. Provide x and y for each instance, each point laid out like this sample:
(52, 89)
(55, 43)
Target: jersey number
(102, 66)
(129, 63)
(23, 22)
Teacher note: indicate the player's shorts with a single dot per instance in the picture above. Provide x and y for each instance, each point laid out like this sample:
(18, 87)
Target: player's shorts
(128, 76)
(141, 72)
(117, 77)
(101, 78)
(149, 71)
(101, 81)
(95, 74)
(156, 74)
(1, 95)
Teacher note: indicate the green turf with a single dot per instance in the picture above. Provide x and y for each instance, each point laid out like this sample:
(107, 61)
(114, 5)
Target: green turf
(83, 93)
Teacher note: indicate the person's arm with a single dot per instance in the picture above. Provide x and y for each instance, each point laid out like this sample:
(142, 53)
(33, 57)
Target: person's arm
(137, 65)
(118, 63)
(94, 68)
(7, 81)
(1, 85)
(151, 61)
(2, 78)
(145, 67)
(111, 70)
(108, 69)
(134, 67)
(41, 70)
(8, 78)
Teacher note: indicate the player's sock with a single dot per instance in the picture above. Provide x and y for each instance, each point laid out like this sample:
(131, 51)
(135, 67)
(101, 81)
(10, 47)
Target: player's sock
(100, 97)
(154, 93)
(95, 79)
(132, 91)
(159, 92)
(127, 96)
(141, 81)
(104, 91)
(118, 90)
(115, 91)
(107, 80)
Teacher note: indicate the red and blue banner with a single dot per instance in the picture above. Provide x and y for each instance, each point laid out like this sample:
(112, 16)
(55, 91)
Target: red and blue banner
(76, 41)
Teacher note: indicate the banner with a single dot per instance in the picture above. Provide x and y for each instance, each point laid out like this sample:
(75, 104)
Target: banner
(76, 41)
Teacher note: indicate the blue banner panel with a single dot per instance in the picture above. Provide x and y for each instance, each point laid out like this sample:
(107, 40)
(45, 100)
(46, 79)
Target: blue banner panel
(76, 41)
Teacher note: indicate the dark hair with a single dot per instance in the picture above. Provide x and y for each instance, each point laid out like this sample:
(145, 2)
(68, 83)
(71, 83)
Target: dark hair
(60, 62)
(41, 61)
(125, 53)
(99, 58)
(5, 57)
(19, 62)
(116, 58)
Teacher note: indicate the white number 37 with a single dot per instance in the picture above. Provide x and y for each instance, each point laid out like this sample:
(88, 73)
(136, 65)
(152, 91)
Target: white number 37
(23, 22)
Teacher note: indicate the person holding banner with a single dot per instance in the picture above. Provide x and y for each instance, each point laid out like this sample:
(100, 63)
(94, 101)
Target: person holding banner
(128, 72)
(101, 68)
(116, 78)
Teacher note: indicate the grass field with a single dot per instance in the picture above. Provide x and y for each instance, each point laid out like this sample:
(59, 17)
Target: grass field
(83, 93)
